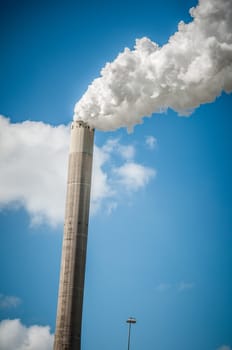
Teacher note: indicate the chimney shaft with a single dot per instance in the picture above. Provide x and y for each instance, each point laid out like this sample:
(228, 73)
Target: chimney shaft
(72, 274)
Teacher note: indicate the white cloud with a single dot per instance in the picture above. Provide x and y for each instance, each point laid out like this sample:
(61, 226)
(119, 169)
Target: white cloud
(182, 286)
(151, 142)
(224, 347)
(9, 301)
(179, 287)
(33, 163)
(111, 206)
(101, 189)
(15, 336)
(162, 287)
(134, 176)
(125, 151)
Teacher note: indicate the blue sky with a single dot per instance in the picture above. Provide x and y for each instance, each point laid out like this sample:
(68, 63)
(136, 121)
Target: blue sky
(159, 245)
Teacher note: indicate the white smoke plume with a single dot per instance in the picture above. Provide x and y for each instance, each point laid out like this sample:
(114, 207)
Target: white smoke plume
(193, 68)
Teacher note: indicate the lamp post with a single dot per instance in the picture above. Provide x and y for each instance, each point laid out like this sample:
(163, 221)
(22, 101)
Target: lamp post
(130, 321)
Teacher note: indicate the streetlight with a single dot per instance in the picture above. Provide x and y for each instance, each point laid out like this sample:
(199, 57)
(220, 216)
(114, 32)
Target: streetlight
(130, 321)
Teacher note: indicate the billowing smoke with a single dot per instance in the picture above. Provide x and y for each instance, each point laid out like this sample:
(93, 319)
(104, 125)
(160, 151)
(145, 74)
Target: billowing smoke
(193, 68)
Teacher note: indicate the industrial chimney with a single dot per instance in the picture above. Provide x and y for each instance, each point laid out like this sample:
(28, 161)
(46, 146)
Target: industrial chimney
(72, 274)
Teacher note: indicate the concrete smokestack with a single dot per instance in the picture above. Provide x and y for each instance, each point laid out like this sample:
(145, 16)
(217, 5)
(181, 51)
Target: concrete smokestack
(72, 275)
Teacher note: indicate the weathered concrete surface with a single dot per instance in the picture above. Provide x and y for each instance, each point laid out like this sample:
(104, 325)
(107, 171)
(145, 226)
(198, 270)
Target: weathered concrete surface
(72, 275)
